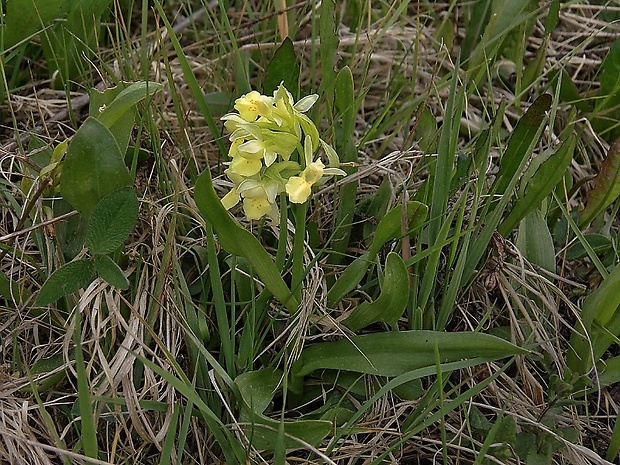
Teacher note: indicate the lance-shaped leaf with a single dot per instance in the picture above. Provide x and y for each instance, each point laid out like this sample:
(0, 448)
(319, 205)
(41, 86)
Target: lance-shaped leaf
(283, 68)
(600, 317)
(239, 241)
(126, 100)
(606, 186)
(396, 353)
(392, 301)
(107, 269)
(540, 185)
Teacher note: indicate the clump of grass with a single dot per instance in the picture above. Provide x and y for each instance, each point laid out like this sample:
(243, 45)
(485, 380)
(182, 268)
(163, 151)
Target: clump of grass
(446, 300)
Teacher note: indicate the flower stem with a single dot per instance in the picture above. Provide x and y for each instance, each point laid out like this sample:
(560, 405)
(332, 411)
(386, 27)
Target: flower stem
(299, 212)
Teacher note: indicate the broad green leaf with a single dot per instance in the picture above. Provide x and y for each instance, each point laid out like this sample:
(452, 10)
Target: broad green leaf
(522, 142)
(107, 269)
(121, 129)
(126, 100)
(93, 167)
(600, 316)
(26, 17)
(283, 67)
(345, 101)
(239, 241)
(257, 389)
(609, 371)
(395, 353)
(65, 280)
(392, 301)
(535, 242)
(549, 173)
(112, 221)
(606, 186)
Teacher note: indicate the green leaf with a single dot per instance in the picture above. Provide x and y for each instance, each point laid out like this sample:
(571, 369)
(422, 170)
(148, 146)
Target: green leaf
(257, 389)
(93, 167)
(606, 186)
(26, 17)
(112, 221)
(396, 353)
(522, 142)
(392, 301)
(345, 101)
(107, 269)
(606, 114)
(65, 280)
(426, 129)
(283, 67)
(540, 185)
(328, 47)
(121, 129)
(239, 241)
(391, 225)
(600, 316)
(535, 242)
(126, 100)
(597, 242)
(389, 228)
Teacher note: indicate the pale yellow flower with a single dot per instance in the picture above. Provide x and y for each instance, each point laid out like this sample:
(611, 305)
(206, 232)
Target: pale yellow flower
(245, 166)
(299, 187)
(252, 105)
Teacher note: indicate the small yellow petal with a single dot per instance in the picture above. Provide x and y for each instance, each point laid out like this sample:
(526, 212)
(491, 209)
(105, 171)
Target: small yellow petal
(244, 166)
(298, 189)
(231, 199)
(255, 209)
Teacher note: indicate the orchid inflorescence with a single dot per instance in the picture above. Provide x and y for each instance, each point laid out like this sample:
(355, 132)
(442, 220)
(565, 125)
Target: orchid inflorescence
(265, 132)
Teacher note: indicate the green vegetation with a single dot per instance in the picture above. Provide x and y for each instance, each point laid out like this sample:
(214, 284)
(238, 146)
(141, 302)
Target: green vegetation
(314, 232)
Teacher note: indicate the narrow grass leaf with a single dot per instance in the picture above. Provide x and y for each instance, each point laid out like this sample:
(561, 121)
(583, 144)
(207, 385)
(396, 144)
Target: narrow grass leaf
(65, 280)
(191, 80)
(89, 428)
(126, 100)
(522, 142)
(239, 241)
(392, 301)
(283, 68)
(230, 447)
(112, 221)
(328, 47)
(395, 353)
(543, 181)
(108, 270)
(93, 167)
(606, 186)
